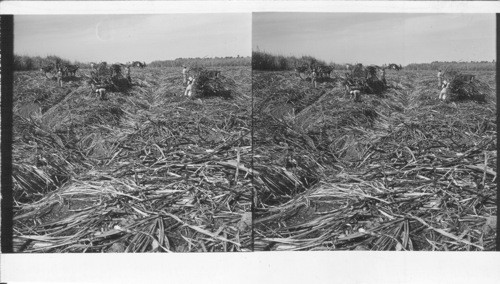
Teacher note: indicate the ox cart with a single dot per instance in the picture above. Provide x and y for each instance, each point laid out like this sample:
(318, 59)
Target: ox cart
(365, 79)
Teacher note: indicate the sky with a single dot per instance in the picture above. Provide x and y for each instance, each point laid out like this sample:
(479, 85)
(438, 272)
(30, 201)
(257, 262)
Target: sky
(377, 38)
(122, 38)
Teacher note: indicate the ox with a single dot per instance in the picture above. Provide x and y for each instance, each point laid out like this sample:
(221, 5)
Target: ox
(116, 69)
(70, 69)
(395, 66)
(324, 71)
(47, 69)
(301, 69)
(468, 77)
(213, 73)
(139, 64)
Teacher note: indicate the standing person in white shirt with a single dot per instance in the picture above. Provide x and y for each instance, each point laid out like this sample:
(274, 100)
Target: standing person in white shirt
(189, 88)
(443, 95)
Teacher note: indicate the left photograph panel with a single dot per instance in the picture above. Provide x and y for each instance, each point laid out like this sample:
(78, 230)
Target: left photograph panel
(132, 133)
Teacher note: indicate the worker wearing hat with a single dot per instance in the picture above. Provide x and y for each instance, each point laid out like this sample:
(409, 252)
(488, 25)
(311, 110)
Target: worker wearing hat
(184, 74)
(59, 76)
(127, 72)
(383, 75)
(314, 75)
(93, 70)
(440, 79)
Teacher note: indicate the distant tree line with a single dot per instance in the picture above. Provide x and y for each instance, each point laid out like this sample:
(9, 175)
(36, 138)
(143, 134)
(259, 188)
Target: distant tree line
(203, 62)
(260, 61)
(26, 63)
(266, 61)
(462, 66)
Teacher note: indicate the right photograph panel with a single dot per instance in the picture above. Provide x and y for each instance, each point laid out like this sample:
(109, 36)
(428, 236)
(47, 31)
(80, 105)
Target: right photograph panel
(374, 131)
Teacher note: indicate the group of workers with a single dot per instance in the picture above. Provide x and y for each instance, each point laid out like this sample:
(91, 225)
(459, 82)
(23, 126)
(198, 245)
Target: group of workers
(314, 77)
(101, 90)
(62, 71)
(59, 75)
(94, 71)
(353, 92)
(99, 87)
(442, 84)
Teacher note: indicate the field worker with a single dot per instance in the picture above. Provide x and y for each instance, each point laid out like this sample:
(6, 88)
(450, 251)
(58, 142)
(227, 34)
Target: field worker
(356, 94)
(127, 73)
(59, 76)
(314, 75)
(93, 71)
(444, 84)
(440, 79)
(184, 74)
(444, 92)
(189, 88)
(383, 76)
(101, 92)
(347, 89)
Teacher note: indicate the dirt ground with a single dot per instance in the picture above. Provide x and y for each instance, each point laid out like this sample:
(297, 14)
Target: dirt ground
(148, 170)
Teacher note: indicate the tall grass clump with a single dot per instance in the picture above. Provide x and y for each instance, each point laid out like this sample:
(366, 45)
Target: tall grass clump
(28, 63)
